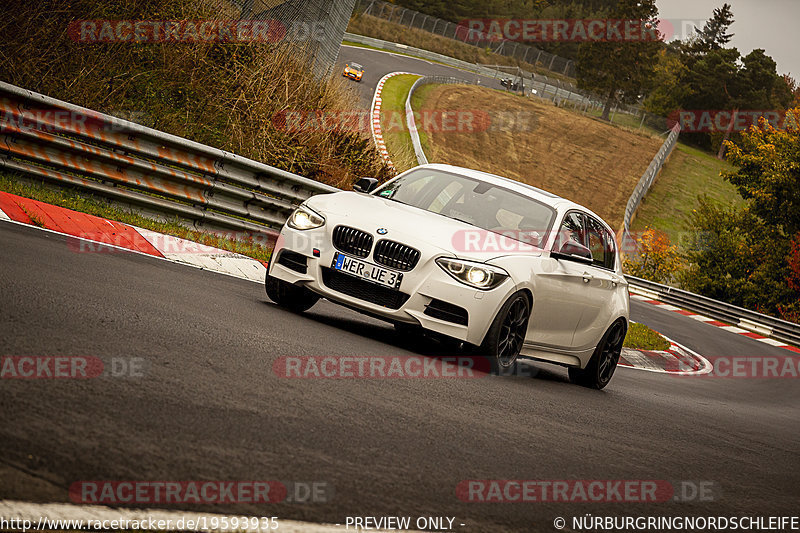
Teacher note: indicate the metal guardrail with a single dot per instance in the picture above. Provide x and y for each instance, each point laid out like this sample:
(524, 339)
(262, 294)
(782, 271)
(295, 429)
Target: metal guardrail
(744, 318)
(79, 148)
(410, 120)
(646, 181)
(412, 126)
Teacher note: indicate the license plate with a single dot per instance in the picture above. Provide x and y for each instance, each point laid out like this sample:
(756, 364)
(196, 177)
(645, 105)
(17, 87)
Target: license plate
(367, 271)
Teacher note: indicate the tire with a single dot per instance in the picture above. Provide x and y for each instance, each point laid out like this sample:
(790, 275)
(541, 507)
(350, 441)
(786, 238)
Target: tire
(294, 298)
(505, 337)
(601, 367)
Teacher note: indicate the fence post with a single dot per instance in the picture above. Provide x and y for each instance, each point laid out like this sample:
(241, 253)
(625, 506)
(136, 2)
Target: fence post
(527, 51)
(368, 11)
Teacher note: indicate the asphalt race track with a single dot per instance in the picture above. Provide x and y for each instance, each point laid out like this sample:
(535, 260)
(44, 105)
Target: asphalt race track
(377, 64)
(209, 407)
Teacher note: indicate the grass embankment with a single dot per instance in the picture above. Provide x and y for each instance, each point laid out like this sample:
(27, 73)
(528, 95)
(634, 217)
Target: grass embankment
(378, 28)
(393, 121)
(10, 182)
(222, 94)
(640, 337)
(579, 158)
(689, 173)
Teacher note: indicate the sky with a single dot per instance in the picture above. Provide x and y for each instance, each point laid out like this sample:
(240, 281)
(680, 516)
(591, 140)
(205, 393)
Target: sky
(767, 24)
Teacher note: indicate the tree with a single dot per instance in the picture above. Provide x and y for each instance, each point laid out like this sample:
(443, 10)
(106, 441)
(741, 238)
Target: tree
(737, 258)
(669, 85)
(714, 34)
(751, 256)
(761, 85)
(769, 172)
(656, 258)
(794, 264)
(793, 88)
(621, 71)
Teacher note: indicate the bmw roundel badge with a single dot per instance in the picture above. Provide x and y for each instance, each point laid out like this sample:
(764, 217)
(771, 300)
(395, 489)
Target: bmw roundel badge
(382, 231)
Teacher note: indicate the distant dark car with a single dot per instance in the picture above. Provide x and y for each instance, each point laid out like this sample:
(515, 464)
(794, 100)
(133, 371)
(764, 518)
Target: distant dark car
(510, 84)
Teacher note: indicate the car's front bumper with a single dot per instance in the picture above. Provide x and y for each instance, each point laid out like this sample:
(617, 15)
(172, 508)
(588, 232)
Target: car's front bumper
(426, 284)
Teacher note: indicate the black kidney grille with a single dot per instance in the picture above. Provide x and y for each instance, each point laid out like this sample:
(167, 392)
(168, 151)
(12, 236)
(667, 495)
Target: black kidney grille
(352, 241)
(396, 255)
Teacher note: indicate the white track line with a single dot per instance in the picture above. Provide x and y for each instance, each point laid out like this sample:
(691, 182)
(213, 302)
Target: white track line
(706, 365)
(122, 248)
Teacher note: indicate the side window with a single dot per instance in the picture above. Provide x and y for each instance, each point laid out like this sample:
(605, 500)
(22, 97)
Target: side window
(601, 244)
(571, 229)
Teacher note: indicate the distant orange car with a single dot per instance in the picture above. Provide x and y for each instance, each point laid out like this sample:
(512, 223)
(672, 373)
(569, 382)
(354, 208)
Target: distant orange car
(353, 71)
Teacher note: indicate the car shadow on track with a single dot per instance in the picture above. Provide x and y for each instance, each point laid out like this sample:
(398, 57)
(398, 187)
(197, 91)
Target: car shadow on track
(427, 346)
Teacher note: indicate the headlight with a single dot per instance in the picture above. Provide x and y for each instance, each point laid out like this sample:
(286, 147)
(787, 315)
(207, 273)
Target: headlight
(304, 218)
(478, 275)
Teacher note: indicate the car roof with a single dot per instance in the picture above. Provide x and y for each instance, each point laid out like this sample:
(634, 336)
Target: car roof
(553, 200)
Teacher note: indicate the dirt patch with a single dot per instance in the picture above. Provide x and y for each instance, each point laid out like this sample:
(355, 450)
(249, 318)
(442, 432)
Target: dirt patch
(579, 158)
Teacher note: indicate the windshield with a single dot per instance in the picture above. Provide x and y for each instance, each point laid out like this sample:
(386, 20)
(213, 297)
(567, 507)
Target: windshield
(356, 66)
(475, 202)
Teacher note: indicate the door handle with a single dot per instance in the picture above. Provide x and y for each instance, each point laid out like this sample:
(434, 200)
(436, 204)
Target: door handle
(587, 277)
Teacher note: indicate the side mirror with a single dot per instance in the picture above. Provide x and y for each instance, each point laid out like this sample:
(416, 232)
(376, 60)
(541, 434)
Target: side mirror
(573, 251)
(365, 185)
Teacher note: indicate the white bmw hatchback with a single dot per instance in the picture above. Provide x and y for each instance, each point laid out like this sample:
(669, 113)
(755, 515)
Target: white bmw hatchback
(505, 267)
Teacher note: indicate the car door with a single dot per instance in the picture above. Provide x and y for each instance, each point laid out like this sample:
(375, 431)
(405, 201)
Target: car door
(559, 291)
(600, 280)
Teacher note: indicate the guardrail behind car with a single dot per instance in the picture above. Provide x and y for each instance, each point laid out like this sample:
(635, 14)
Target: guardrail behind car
(75, 147)
(744, 318)
(647, 179)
